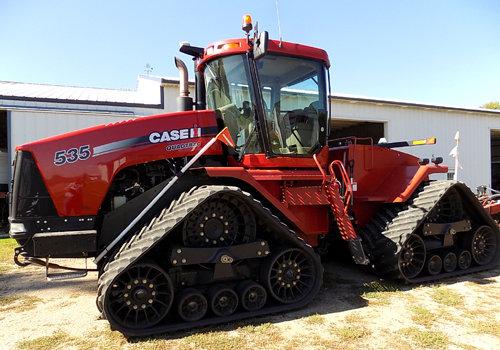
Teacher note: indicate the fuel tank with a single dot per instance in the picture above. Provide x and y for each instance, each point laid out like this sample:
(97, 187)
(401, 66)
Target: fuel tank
(78, 167)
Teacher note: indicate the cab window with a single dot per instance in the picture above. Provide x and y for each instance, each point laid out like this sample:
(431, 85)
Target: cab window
(294, 94)
(227, 83)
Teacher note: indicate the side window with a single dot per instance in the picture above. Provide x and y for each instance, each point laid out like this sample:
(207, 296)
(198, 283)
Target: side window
(293, 90)
(299, 116)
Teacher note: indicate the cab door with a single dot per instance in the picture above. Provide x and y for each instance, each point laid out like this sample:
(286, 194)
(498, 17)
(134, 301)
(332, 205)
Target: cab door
(293, 115)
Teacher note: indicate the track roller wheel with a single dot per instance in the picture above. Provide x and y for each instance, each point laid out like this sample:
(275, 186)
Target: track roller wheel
(434, 265)
(223, 300)
(140, 297)
(252, 295)
(290, 275)
(220, 222)
(464, 260)
(483, 245)
(450, 262)
(412, 256)
(192, 305)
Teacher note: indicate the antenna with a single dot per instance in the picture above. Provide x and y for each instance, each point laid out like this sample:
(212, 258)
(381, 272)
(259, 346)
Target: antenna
(148, 69)
(279, 24)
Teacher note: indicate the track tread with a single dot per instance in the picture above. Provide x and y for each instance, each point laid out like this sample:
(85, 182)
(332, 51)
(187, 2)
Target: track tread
(390, 239)
(168, 219)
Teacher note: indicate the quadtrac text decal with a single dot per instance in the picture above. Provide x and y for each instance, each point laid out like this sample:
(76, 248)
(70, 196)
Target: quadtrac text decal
(157, 137)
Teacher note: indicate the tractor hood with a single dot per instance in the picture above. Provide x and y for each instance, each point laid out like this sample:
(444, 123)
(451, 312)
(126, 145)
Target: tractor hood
(88, 159)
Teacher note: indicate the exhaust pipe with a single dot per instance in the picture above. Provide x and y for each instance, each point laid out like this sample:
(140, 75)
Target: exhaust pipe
(184, 102)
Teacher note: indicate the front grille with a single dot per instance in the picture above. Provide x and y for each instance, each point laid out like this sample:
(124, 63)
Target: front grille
(29, 195)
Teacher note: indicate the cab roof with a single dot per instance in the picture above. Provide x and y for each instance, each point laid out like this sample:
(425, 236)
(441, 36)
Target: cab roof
(237, 46)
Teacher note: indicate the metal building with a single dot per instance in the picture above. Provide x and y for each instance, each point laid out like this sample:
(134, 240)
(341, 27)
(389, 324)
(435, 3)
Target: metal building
(32, 111)
(479, 149)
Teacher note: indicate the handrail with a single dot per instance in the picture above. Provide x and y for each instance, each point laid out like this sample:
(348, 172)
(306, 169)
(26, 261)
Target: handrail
(322, 171)
(345, 179)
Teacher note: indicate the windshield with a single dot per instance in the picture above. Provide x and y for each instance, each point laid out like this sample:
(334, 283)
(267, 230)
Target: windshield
(294, 100)
(227, 84)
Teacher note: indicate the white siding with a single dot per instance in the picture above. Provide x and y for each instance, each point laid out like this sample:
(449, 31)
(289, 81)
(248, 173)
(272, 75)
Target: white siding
(31, 125)
(407, 123)
(171, 92)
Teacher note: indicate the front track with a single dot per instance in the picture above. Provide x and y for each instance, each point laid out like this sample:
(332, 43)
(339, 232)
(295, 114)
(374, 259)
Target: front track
(268, 288)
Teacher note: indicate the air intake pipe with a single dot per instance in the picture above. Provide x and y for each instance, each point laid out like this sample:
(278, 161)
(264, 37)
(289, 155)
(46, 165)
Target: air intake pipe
(184, 102)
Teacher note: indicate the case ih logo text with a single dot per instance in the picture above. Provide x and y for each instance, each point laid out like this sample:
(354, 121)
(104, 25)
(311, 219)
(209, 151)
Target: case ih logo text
(174, 135)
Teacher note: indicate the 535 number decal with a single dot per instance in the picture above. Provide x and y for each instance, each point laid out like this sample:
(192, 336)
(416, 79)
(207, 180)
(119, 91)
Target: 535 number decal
(72, 155)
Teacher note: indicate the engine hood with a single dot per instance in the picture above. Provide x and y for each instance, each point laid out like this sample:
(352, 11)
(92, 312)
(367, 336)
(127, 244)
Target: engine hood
(86, 161)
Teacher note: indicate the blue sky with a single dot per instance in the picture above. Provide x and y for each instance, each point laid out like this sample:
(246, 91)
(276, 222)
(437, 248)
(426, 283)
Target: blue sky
(443, 52)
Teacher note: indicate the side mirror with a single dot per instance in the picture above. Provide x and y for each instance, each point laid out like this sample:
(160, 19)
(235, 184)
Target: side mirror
(260, 45)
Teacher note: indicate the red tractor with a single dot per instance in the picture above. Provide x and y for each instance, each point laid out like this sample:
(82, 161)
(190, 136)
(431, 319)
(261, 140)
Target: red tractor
(188, 231)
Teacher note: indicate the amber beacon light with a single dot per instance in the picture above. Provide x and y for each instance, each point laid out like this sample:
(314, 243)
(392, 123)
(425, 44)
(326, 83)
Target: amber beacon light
(247, 23)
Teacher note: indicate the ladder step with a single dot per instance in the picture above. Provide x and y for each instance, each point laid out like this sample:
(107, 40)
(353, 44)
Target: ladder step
(66, 275)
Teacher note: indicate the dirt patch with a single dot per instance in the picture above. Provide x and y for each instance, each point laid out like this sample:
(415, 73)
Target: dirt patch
(353, 310)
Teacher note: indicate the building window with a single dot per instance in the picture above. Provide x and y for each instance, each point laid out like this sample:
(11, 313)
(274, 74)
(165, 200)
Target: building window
(449, 176)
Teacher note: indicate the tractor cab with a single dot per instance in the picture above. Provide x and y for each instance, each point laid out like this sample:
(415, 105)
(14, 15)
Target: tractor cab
(271, 95)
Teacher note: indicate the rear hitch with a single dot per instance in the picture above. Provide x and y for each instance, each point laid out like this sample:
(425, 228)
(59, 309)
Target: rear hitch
(19, 252)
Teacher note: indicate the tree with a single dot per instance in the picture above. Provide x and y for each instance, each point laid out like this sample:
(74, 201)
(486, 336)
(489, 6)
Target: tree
(491, 105)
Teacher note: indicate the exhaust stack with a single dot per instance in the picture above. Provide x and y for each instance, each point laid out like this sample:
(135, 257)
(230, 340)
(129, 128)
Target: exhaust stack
(184, 102)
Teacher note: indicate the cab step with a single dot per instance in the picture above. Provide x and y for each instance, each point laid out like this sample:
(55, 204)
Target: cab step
(70, 273)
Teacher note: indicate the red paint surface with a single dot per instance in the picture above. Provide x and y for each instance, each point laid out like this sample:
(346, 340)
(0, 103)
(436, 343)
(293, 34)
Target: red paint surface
(225, 48)
(78, 189)
(382, 176)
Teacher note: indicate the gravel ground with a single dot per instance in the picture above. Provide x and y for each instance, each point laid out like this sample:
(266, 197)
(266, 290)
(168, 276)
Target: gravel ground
(353, 310)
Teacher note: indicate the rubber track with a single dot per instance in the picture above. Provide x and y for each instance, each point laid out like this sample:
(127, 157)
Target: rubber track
(407, 222)
(170, 218)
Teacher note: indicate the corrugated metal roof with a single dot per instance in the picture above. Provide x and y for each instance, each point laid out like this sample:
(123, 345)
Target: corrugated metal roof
(73, 93)
(407, 103)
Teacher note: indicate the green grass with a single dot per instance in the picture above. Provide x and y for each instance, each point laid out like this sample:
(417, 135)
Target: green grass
(447, 296)
(487, 326)
(248, 337)
(354, 318)
(214, 340)
(426, 338)
(17, 303)
(379, 293)
(7, 246)
(57, 340)
(261, 336)
(315, 319)
(258, 329)
(351, 332)
(97, 340)
(422, 316)
(104, 339)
